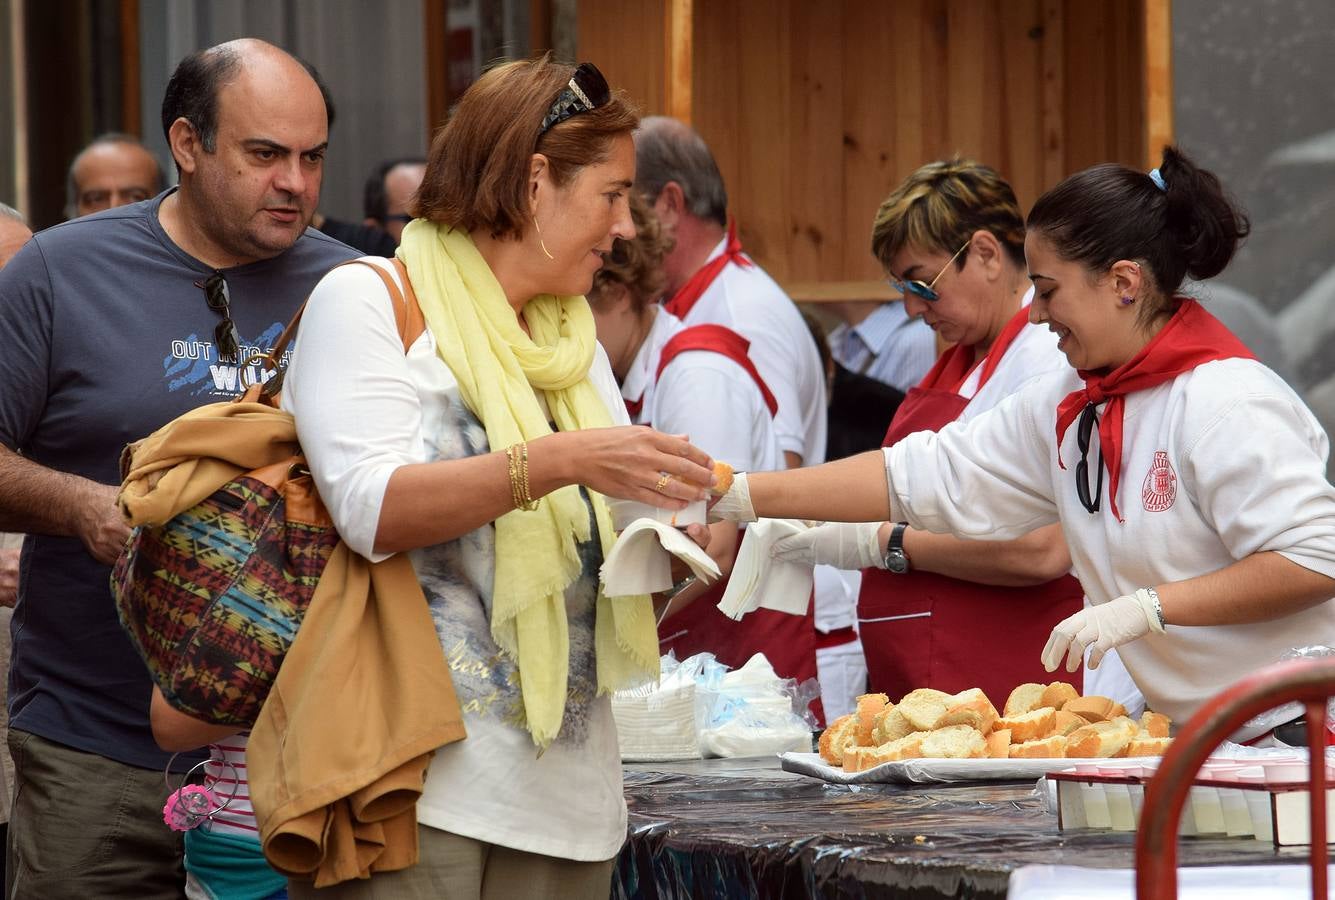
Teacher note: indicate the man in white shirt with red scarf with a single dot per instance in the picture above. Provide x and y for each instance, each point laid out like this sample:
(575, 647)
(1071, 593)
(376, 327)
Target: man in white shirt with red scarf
(711, 280)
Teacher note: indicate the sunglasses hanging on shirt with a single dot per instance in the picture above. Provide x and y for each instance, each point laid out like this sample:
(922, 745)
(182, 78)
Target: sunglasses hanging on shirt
(225, 335)
(587, 89)
(1089, 418)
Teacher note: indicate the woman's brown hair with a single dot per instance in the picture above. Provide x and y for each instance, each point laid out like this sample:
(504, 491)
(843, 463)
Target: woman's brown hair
(1183, 224)
(478, 169)
(636, 264)
(941, 205)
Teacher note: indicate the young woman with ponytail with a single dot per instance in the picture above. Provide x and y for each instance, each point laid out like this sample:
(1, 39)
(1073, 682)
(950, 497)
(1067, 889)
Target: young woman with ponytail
(1188, 479)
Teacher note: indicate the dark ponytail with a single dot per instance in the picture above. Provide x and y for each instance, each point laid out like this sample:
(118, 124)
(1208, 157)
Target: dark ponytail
(1111, 212)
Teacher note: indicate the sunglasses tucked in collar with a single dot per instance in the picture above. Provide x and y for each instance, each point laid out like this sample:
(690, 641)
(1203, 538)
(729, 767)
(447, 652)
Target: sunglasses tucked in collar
(925, 289)
(225, 335)
(1089, 420)
(587, 89)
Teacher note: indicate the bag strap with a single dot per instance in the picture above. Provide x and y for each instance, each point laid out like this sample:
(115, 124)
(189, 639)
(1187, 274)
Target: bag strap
(408, 321)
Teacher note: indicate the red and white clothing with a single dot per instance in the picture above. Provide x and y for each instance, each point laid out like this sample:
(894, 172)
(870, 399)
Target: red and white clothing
(225, 772)
(741, 296)
(922, 629)
(1217, 463)
(737, 293)
(704, 394)
(714, 394)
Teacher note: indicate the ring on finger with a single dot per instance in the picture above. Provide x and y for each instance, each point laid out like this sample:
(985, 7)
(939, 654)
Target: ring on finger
(663, 480)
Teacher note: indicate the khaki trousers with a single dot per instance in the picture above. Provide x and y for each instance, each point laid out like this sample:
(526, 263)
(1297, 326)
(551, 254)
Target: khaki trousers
(459, 868)
(86, 826)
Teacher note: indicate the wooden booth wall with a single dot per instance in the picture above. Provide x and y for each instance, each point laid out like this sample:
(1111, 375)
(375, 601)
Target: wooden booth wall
(816, 110)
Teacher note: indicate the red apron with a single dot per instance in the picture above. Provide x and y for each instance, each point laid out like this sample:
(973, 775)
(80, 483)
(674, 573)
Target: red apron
(788, 641)
(921, 629)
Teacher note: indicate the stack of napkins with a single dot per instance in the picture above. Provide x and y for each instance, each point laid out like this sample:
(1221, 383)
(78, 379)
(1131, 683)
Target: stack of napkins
(640, 561)
(758, 581)
(657, 722)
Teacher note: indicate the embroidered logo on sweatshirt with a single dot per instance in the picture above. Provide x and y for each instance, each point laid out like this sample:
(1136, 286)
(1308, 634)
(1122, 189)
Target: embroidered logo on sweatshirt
(1160, 487)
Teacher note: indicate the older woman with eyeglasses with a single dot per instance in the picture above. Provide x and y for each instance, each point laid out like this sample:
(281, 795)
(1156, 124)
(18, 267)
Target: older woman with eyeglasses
(951, 239)
(485, 453)
(1208, 550)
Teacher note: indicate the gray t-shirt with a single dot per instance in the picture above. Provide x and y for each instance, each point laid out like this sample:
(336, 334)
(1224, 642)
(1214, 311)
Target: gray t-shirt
(105, 337)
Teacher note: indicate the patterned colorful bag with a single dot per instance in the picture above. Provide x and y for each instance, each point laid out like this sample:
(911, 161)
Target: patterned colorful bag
(212, 597)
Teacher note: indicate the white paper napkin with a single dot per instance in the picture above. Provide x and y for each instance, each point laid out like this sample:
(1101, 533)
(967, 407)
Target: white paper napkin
(758, 581)
(641, 559)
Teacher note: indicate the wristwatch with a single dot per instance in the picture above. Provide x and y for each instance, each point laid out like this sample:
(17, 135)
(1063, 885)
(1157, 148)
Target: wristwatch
(896, 560)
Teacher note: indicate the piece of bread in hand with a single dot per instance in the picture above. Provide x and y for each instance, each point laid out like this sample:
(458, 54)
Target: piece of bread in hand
(722, 478)
(868, 707)
(954, 742)
(841, 734)
(1056, 695)
(1148, 746)
(1025, 698)
(1101, 739)
(1051, 747)
(970, 708)
(999, 744)
(1155, 724)
(1028, 726)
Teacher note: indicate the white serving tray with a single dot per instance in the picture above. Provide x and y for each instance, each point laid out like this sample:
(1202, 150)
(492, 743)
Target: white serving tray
(924, 771)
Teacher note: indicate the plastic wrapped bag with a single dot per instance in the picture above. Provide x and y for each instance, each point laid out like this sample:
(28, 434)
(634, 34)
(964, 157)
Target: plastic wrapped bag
(1287, 712)
(754, 712)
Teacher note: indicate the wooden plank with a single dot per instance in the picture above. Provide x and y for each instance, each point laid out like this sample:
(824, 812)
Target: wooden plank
(839, 291)
(910, 109)
(716, 97)
(815, 146)
(677, 56)
(933, 35)
(1053, 108)
(435, 34)
(626, 41)
(540, 25)
(762, 186)
(968, 94)
(131, 116)
(872, 107)
(1021, 159)
(1158, 69)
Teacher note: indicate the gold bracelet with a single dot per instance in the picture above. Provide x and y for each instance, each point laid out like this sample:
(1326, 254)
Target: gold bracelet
(516, 456)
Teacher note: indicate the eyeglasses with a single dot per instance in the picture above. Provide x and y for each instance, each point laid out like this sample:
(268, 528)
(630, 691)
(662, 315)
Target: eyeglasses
(926, 289)
(587, 89)
(1089, 417)
(225, 334)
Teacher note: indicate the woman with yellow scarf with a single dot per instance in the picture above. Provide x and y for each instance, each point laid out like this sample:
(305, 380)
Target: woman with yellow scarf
(485, 452)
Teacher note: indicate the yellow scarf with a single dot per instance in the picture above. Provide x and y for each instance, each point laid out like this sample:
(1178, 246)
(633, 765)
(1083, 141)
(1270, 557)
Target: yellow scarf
(498, 368)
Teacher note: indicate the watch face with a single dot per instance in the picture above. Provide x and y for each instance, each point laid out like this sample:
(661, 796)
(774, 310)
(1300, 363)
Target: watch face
(896, 562)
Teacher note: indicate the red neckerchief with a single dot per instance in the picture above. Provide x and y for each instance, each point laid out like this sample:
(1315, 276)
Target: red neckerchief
(681, 302)
(716, 339)
(1191, 338)
(634, 406)
(957, 363)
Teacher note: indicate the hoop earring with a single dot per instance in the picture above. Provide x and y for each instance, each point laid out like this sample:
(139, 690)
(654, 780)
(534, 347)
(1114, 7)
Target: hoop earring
(540, 243)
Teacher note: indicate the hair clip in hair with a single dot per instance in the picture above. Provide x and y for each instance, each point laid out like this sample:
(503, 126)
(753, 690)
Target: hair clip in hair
(1157, 179)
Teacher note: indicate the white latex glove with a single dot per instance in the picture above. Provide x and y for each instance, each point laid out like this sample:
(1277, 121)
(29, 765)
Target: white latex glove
(735, 505)
(844, 545)
(1101, 627)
